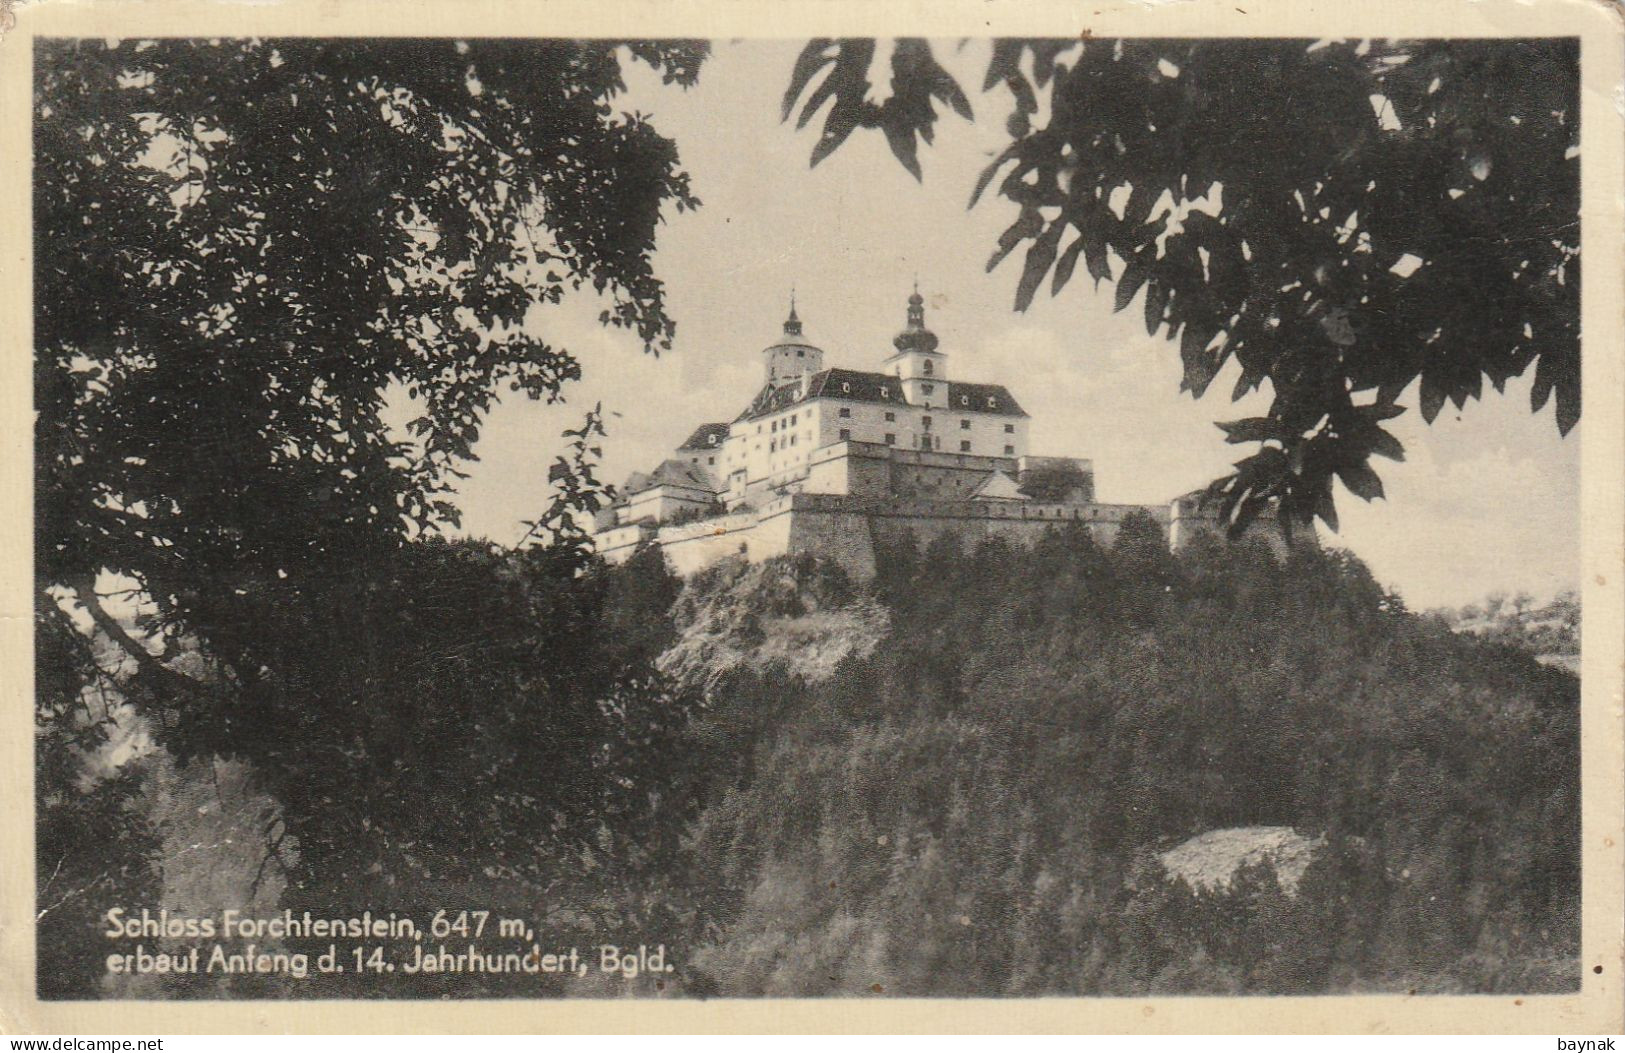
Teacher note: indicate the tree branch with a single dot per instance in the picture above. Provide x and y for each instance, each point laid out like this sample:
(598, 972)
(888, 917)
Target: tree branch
(85, 590)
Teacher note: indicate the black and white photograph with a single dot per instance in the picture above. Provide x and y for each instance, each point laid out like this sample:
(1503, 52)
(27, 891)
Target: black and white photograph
(698, 518)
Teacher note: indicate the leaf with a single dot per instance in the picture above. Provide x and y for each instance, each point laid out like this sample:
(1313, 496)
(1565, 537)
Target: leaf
(1039, 258)
(1385, 445)
(1065, 265)
(1326, 507)
(1432, 397)
(944, 87)
(1568, 403)
(1252, 429)
(1200, 366)
(1094, 253)
(1133, 277)
(904, 148)
(1380, 410)
(813, 58)
(1028, 225)
(1005, 63)
(1245, 384)
(837, 127)
(1361, 480)
(1156, 301)
(1009, 154)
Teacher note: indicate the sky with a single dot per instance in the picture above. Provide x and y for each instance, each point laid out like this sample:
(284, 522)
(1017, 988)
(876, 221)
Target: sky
(1487, 499)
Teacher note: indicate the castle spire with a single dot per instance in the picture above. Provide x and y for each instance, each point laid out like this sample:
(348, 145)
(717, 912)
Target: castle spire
(916, 337)
(792, 324)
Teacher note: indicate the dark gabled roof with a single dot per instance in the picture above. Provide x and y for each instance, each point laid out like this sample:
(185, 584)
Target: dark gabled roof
(856, 386)
(705, 437)
(771, 399)
(672, 473)
(831, 383)
(983, 398)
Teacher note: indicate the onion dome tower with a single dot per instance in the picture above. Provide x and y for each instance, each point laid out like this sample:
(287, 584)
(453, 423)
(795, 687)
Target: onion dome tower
(791, 356)
(917, 362)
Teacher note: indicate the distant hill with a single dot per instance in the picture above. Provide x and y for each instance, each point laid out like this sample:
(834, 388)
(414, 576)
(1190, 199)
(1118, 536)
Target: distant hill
(1550, 632)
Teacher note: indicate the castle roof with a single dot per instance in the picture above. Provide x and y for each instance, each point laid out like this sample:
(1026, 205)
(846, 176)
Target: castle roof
(792, 331)
(830, 383)
(705, 437)
(916, 337)
(983, 398)
(672, 473)
(855, 386)
(999, 487)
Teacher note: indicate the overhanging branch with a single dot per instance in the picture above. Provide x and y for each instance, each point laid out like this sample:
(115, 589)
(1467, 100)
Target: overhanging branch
(85, 591)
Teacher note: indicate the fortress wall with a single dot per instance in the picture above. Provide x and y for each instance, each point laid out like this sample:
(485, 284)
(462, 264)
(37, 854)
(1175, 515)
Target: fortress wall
(700, 527)
(617, 544)
(858, 475)
(691, 553)
(977, 510)
(848, 528)
(972, 530)
(753, 535)
(843, 537)
(934, 482)
(861, 469)
(842, 526)
(662, 502)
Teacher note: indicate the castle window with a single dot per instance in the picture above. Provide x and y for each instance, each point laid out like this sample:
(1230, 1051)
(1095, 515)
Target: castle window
(964, 425)
(884, 392)
(1009, 451)
(964, 400)
(891, 416)
(992, 403)
(774, 427)
(800, 353)
(1009, 429)
(772, 447)
(710, 460)
(792, 440)
(846, 411)
(925, 422)
(964, 445)
(846, 387)
(792, 418)
(928, 369)
(846, 433)
(928, 388)
(891, 440)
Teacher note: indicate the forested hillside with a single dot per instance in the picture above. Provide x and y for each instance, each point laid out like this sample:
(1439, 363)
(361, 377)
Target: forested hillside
(975, 807)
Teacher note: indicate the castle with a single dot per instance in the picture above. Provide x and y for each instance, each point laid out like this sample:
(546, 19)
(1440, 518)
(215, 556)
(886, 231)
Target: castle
(837, 461)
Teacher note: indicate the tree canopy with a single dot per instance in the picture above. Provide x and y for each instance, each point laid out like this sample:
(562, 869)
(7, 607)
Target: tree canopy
(1342, 220)
(243, 246)
(245, 249)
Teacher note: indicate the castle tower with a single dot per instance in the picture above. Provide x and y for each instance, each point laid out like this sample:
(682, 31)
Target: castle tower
(917, 362)
(791, 357)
